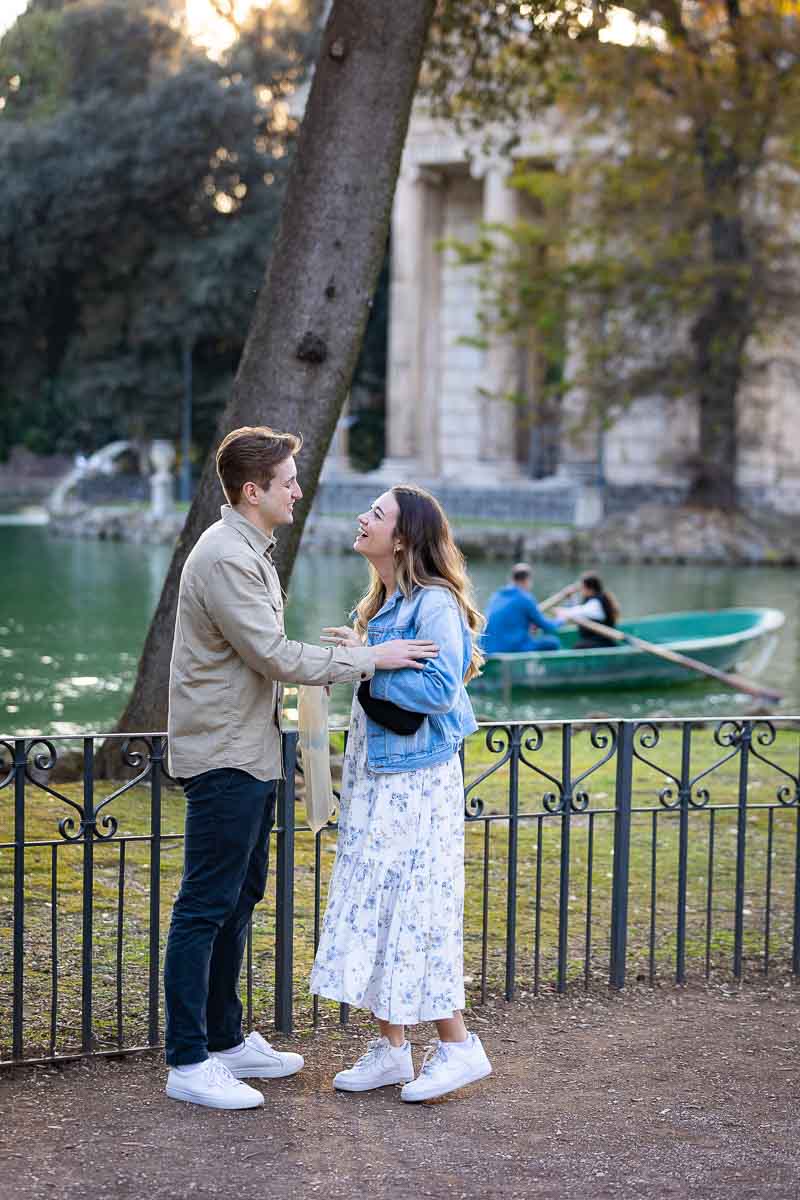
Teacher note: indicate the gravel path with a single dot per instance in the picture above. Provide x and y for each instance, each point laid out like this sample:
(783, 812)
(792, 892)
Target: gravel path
(690, 1093)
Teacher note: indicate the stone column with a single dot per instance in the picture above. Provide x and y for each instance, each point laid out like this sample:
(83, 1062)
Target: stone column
(582, 438)
(501, 373)
(404, 382)
(432, 184)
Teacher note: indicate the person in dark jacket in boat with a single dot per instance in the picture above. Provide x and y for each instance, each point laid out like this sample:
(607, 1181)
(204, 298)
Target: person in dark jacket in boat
(511, 614)
(597, 604)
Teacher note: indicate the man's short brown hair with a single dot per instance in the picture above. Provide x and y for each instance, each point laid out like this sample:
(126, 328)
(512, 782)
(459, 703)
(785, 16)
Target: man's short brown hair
(250, 455)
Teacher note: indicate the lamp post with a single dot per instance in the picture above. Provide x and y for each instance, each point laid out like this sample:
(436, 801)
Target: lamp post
(187, 346)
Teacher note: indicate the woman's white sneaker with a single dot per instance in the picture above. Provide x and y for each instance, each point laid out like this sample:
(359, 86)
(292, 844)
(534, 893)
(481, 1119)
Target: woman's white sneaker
(212, 1085)
(449, 1065)
(256, 1059)
(382, 1064)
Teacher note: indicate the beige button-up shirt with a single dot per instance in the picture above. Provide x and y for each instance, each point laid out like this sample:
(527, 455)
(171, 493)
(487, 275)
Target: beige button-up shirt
(230, 656)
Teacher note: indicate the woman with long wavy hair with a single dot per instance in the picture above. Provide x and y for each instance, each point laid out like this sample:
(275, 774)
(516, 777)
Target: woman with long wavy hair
(392, 938)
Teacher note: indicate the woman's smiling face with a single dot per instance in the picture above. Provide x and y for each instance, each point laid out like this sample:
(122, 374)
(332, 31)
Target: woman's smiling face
(376, 536)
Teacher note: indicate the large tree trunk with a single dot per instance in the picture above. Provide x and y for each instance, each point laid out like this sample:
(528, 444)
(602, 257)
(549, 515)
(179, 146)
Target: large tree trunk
(312, 309)
(719, 337)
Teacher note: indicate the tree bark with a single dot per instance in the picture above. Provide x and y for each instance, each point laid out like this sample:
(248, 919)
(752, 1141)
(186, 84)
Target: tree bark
(311, 312)
(719, 337)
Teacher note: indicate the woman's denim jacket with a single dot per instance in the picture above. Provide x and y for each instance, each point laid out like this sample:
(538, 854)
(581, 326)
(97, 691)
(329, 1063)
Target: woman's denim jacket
(437, 690)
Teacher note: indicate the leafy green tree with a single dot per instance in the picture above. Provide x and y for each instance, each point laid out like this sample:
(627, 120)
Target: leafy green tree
(679, 234)
(141, 189)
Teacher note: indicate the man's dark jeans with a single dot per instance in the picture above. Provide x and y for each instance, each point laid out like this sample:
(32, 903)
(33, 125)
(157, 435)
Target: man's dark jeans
(229, 815)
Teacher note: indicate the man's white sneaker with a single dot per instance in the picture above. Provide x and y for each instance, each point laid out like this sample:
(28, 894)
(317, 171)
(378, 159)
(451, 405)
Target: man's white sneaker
(256, 1059)
(449, 1065)
(382, 1064)
(212, 1085)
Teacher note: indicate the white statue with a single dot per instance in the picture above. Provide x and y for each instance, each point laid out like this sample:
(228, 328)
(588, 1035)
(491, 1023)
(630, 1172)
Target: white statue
(162, 456)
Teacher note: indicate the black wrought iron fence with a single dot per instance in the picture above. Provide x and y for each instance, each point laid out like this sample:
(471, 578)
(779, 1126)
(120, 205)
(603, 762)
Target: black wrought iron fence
(594, 852)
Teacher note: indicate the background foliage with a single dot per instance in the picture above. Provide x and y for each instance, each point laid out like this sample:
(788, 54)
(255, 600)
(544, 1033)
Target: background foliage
(140, 193)
(669, 237)
(657, 257)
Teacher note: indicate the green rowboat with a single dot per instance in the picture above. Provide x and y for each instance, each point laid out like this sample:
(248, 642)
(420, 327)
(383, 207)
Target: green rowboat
(722, 639)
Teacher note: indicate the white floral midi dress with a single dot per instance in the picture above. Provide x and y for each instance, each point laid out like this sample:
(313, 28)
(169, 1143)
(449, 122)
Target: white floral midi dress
(392, 937)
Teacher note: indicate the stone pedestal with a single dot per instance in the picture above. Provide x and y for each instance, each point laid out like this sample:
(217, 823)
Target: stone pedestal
(481, 472)
(589, 506)
(398, 470)
(337, 460)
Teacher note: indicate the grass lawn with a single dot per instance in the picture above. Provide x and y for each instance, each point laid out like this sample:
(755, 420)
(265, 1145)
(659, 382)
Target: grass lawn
(652, 894)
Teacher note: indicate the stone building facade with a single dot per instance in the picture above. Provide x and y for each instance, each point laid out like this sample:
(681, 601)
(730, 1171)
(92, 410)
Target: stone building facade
(444, 420)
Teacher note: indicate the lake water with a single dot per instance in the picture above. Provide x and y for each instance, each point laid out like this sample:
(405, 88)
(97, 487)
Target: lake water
(74, 613)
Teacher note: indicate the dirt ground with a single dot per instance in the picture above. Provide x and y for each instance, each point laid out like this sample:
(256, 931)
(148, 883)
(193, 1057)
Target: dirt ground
(690, 1093)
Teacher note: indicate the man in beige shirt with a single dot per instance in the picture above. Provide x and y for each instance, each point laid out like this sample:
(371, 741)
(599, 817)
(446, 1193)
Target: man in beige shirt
(230, 658)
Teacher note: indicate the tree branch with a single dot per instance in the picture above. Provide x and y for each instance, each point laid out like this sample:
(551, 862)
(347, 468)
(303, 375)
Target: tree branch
(227, 10)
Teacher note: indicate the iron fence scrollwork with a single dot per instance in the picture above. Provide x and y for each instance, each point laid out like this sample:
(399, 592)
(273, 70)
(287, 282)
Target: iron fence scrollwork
(562, 881)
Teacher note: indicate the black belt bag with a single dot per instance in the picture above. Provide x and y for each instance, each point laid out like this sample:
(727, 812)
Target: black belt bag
(390, 716)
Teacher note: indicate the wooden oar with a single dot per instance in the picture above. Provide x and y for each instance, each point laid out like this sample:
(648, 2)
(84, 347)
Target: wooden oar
(557, 597)
(682, 660)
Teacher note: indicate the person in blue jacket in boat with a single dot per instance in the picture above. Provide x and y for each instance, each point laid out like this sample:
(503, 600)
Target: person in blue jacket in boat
(511, 614)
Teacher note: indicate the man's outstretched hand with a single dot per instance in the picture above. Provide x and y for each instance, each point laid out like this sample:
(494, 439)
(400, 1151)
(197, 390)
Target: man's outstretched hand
(389, 656)
(399, 653)
(340, 635)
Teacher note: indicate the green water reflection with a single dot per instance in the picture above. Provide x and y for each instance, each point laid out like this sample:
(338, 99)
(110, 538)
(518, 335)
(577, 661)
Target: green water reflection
(73, 616)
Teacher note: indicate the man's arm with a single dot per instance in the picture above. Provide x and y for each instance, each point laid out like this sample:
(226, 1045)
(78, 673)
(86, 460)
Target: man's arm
(537, 617)
(238, 603)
